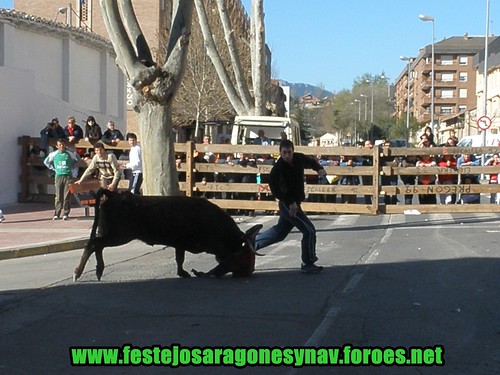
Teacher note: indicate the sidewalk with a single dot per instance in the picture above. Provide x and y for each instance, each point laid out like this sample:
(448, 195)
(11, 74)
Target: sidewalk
(29, 230)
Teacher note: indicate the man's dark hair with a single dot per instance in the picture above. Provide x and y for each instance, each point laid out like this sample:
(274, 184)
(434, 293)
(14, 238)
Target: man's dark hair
(131, 135)
(99, 145)
(286, 143)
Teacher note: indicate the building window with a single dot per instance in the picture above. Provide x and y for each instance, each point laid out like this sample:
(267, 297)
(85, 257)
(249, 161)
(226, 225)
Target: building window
(462, 60)
(446, 110)
(447, 77)
(462, 76)
(446, 94)
(462, 108)
(446, 60)
(462, 93)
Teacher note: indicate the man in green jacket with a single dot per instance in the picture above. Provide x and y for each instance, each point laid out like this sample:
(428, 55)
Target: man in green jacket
(62, 161)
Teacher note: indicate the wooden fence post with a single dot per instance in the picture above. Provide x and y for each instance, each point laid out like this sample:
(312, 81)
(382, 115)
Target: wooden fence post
(376, 179)
(190, 148)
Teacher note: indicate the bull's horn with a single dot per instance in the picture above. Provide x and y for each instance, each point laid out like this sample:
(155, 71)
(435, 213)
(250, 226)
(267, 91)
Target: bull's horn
(252, 247)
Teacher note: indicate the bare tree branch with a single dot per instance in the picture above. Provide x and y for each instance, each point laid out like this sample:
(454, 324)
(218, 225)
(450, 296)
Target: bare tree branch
(135, 33)
(241, 83)
(232, 94)
(124, 49)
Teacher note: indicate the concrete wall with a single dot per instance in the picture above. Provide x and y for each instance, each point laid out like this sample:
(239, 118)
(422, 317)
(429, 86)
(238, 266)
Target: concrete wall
(49, 70)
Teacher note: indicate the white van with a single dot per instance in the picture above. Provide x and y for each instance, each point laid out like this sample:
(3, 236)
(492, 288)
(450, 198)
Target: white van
(245, 129)
(477, 140)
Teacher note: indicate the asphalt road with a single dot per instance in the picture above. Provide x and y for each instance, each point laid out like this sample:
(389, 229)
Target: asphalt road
(390, 281)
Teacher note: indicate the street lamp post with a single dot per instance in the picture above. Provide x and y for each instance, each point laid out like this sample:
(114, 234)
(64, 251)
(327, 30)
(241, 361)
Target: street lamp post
(409, 61)
(359, 121)
(371, 111)
(366, 112)
(425, 18)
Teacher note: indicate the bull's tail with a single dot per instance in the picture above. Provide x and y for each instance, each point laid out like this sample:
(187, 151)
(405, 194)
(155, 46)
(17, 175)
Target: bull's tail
(98, 197)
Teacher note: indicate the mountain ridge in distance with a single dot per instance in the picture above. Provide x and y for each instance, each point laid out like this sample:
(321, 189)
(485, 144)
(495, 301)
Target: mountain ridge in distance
(300, 89)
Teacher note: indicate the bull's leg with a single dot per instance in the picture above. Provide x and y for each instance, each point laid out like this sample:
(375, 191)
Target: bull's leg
(99, 268)
(87, 252)
(179, 258)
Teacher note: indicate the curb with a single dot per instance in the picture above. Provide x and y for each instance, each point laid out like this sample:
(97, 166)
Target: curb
(50, 248)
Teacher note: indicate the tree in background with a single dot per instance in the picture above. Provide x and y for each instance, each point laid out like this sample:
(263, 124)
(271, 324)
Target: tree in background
(201, 96)
(235, 82)
(155, 85)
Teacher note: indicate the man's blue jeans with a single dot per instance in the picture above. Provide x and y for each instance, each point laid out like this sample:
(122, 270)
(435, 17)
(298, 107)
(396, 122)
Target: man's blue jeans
(284, 226)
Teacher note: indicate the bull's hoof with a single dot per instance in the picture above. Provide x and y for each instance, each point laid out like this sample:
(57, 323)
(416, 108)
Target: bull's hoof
(98, 273)
(76, 275)
(184, 274)
(198, 273)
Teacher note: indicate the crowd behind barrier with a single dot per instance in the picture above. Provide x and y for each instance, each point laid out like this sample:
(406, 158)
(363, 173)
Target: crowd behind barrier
(359, 180)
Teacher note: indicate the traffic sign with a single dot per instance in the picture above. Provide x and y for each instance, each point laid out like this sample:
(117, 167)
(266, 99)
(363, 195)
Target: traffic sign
(484, 122)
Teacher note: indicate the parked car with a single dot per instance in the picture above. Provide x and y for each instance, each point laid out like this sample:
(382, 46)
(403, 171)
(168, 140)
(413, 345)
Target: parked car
(477, 140)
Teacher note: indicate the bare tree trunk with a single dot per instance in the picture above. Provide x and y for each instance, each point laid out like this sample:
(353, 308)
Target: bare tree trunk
(258, 46)
(159, 151)
(154, 86)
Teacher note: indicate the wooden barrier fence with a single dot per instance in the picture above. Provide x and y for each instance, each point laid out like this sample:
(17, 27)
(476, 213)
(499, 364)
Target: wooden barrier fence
(244, 187)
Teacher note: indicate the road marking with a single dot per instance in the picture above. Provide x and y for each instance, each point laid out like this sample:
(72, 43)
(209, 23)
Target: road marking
(371, 258)
(271, 255)
(353, 282)
(345, 221)
(323, 327)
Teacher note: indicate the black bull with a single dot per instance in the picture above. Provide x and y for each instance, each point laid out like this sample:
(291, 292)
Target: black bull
(187, 224)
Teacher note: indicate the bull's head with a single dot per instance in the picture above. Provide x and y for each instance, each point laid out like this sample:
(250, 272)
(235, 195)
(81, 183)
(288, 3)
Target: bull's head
(240, 262)
(243, 262)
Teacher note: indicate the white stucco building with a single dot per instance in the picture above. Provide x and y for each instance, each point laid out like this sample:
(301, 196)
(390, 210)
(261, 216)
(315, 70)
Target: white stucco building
(49, 70)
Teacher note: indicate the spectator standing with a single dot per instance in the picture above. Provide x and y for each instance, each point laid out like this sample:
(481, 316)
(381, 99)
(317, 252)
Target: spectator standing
(389, 180)
(62, 161)
(287, 185)
(450, 142)
(74, 133)
(453, 136)
(467, 160)
(208, 155)
(134, 164)
(106, 164)
(427, 179)
(51, 131)
(349, 161)
(409, 180)
(428, 134)
(93, 132)
(447, 161)
(495, 162)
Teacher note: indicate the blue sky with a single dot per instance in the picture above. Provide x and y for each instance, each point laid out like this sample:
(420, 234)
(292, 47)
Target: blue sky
(332, 42)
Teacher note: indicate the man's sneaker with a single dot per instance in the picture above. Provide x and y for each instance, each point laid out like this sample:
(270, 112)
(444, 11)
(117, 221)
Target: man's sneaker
(311, 268)
(55, 217)
(65, 217)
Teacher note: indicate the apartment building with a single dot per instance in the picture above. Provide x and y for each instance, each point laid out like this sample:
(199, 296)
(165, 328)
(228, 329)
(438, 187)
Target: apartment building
(492, 106)
(454, 83)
